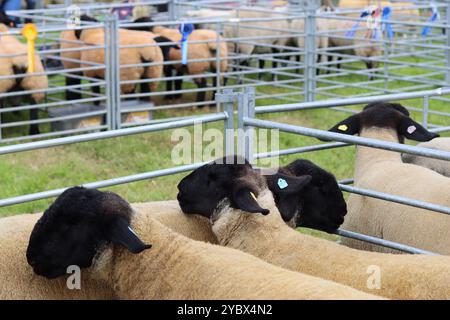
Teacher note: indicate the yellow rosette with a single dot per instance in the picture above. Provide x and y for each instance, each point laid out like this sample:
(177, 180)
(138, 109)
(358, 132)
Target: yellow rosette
(30, 33)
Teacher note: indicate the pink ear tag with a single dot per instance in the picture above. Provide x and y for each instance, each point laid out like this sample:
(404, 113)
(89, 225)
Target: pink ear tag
(411, 129)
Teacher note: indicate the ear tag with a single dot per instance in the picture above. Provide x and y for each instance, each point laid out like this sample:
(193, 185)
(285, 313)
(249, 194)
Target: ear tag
(132, 231)
(411, 129)
(253, 196)
(343, 127)
(282, 184)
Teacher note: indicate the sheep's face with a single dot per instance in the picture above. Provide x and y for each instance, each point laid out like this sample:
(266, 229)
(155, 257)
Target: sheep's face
(75, 226)
(320, 205)
(4, 19)
(201, 191)
(385, 115)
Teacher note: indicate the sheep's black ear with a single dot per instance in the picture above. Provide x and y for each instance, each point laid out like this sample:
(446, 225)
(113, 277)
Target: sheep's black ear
(78, 33)
(349, 126)
(245, 200)
(121, 233)
(414, 131)
(283, 184)
(286, 191)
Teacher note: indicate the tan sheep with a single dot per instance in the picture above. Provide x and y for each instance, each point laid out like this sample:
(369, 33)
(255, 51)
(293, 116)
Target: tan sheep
(383, 171)
(17, 278)
(268, 237)
(364, 46)
(440, 166)
(211, 44)
(174, 267)
(128, 56)
(14, 61)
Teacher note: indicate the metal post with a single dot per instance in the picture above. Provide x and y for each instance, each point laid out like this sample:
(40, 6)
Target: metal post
(172, 10)
(250, 93)
(109, 88)
(426, 106)
(228, 98)
(310, 49)
(115, 67)
(447, 49)
(218, 61)
(246, 108)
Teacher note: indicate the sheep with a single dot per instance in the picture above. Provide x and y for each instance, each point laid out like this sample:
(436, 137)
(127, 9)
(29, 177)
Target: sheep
(320, 205)
(14, 61)
(237, 199)
(278, 36)
(204, 50)
(364, 47)
(440, 166)
(384, 171)
(128, 56)
(99, 232)
(71, 59)
(18, 280)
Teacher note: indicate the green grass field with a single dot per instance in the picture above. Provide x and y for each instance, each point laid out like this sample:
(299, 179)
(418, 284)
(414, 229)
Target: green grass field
(46, 169)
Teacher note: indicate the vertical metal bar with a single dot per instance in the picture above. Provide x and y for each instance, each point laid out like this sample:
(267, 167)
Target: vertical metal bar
(386, 48)
(109, 88)
(242, 112)
(115, 48)
(447, 49)
(172, 10)
(229, 122)
(250, 94)
(426, 106)
(218, 61)
(310, 50)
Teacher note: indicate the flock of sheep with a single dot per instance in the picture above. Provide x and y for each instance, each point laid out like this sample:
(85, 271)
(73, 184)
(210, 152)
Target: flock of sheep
(230, 233)
(150, 52)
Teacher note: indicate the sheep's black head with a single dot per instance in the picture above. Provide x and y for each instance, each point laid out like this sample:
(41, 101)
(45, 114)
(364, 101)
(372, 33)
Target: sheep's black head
(85, 18)
(76, 226)
(320, 204)
(230, 178)
(142, 28)
(385, 115)
(4, 19)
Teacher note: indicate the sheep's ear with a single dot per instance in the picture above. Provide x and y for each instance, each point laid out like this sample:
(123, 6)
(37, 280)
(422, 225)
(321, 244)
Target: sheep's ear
(414, 131)
(121, 233)
(348, 126)
(283, 184)
(245, 200)
(286, 191)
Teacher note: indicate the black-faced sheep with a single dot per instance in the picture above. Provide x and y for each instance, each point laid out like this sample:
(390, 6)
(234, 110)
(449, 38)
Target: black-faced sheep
(14, 61)
(319, 205)
(232, 196)
(196, 51)
(99, 232)
(19, 282)
(383, 171)
(440, 166)
(71, 59)
(150, 53)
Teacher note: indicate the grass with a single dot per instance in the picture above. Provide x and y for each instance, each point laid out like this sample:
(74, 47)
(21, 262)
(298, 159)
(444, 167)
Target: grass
(34, 171)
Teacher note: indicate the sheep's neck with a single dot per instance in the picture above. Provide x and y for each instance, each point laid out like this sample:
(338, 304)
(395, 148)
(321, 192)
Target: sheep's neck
(369, 158)
(148, 275)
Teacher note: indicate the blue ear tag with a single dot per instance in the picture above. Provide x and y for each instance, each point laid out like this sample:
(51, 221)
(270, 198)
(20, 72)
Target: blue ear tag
(282, 184)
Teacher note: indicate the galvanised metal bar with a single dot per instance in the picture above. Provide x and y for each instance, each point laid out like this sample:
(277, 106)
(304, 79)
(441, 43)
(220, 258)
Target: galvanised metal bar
(383, 242)
(362, 141)
(300, 150)
(110, 134)
(100, 184)
(351, 101)
(396, 199)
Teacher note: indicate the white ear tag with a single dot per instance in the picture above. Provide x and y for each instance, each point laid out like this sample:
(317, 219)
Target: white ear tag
(343, 127)
(411, 129)
(132, 231)
(253, 196)
(282, 184)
